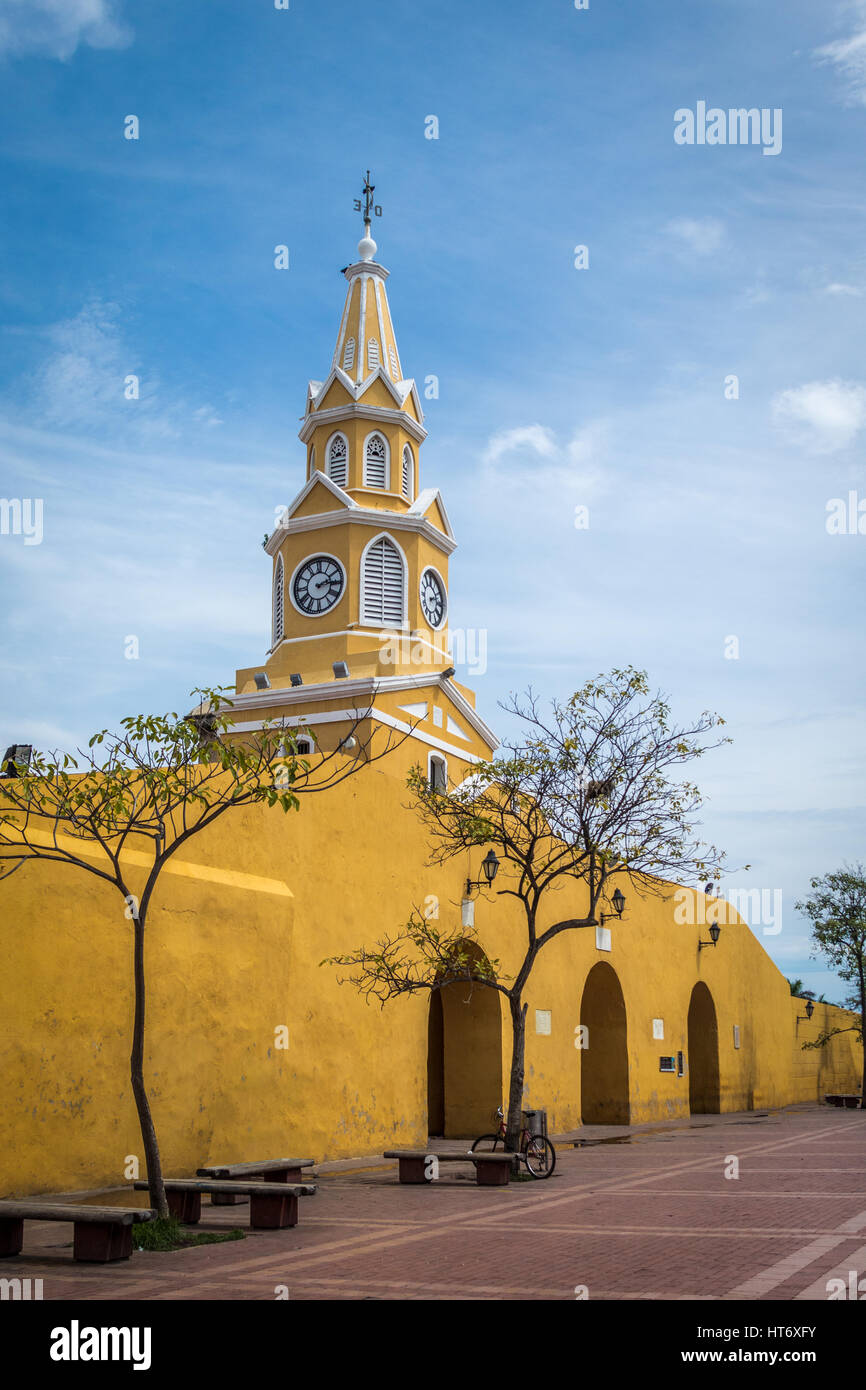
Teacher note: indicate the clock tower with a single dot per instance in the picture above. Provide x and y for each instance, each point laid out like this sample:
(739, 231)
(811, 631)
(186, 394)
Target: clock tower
(359, 613)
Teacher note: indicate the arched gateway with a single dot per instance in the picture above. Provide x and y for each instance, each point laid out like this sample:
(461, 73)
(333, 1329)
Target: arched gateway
(464, 1059)
(703, 1054)
(604, 1095)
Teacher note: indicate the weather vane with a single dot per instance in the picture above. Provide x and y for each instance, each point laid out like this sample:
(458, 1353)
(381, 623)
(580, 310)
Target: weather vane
(369, 206)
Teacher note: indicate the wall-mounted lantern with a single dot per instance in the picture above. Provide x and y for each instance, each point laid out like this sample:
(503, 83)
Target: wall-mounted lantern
(489, 867)
(715, 933)
(618, 905)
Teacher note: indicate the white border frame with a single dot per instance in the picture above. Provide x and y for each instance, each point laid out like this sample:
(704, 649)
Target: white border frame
(433, 570)
(440, 759)
(362, 588)
(412, 490)
(378, 487)
(318, 555)
(338, 434)
(279, 573)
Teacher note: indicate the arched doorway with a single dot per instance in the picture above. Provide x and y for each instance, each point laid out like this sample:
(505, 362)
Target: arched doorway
(604, 1098)
(435, 1066)
(464, 1059)
(703, 1054)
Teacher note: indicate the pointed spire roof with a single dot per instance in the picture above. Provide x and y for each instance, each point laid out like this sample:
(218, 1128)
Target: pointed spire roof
(366, 340)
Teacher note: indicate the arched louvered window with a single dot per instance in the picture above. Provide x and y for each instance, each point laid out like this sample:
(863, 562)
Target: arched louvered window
(349, 355)
(278, 602)
(312, 467)
(383, 584)
(372, 355)
(375, 462)
(338, 460)
(408, 470)
(395, 370)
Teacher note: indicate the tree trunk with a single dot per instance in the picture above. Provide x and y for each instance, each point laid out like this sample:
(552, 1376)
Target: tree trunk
(515, 1089)
(136, 1066)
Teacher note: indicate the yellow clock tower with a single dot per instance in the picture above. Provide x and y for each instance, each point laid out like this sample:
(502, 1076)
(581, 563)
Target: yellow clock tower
(360, 557)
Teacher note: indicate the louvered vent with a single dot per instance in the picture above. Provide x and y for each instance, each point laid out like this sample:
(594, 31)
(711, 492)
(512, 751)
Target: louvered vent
(338, 461)
(278, 601)
(376, 462)
(383, 584)
(372, 355)
(349, 356)
(407, 473)
(395, 370)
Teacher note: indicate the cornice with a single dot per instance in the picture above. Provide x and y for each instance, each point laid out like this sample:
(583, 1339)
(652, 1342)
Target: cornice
(358, 410)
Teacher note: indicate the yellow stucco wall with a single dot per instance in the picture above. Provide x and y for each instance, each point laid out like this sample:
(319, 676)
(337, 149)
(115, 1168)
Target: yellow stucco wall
(234, 945)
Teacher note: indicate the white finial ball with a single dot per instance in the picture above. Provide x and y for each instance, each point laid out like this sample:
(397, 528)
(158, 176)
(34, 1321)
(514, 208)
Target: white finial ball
(367, 248)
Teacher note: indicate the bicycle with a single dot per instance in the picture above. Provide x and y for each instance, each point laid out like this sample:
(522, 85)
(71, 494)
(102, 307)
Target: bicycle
(536, 1151)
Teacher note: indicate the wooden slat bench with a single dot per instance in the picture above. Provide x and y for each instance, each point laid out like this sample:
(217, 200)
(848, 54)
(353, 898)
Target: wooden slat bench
(849, 1101)
(99, 1234)
(272, 1206)
(270, 1170)
(491, 1170)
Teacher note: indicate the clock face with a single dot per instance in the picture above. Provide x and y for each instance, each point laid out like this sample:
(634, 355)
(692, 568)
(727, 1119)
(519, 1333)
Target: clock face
(433, 600)
(317, 585)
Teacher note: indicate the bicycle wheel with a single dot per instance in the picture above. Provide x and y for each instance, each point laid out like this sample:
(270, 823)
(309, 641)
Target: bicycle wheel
(488, 1144)
(540, 1156)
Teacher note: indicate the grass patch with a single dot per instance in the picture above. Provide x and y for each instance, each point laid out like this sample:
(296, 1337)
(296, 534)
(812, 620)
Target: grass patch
(167, 1233)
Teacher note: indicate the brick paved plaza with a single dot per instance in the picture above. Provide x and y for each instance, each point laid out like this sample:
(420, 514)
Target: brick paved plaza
(653, 1217)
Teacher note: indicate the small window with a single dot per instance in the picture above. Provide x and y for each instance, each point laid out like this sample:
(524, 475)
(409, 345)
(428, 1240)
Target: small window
(305, 746)
(408, 469)
(278, 601)
(395, 370)
(438, 775)
(349, 356)
(376, 462)
(372, 355)
(338, 460)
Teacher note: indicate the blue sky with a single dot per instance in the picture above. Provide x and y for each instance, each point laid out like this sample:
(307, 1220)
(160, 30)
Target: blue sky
(559, 387)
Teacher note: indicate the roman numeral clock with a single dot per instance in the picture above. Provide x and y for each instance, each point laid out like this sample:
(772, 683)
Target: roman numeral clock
(318, 584)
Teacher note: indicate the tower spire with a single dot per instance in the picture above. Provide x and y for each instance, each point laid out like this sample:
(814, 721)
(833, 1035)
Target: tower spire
(367, 247)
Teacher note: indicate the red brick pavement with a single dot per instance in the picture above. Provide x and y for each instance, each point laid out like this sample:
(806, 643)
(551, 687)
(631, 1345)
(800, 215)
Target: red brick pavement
(652, 1218)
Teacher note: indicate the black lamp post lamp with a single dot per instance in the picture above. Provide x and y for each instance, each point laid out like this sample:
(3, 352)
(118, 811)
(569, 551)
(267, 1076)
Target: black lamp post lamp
(490, 868)
(810, 1009)
(715, 933)
(618, 905)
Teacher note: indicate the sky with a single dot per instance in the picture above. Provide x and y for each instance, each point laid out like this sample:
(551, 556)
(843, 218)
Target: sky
(695, 378)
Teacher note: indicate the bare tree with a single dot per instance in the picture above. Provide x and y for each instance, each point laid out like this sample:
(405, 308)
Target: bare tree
(588, 794)
(153, 786)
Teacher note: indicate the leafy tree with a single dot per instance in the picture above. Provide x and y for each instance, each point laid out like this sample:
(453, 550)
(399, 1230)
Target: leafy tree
(152, 787)
(836, 908)
(588, 793)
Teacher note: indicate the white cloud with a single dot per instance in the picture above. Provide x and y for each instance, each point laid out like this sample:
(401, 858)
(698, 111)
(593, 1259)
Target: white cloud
(82, 384)
(537, 438)
(833, 412)
(703, 236)
(848, 57)
(57, 27)
(837, 288)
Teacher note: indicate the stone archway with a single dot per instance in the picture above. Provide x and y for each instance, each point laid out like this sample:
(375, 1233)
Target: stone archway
(703, 1053)
(464, 1059)
(604, 1092)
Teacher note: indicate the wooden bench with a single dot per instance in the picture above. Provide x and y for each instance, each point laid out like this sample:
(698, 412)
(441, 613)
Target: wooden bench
(272, 1206)
(850, 1102)
(99, 1234)
(270, 1170)
(491, 1170)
